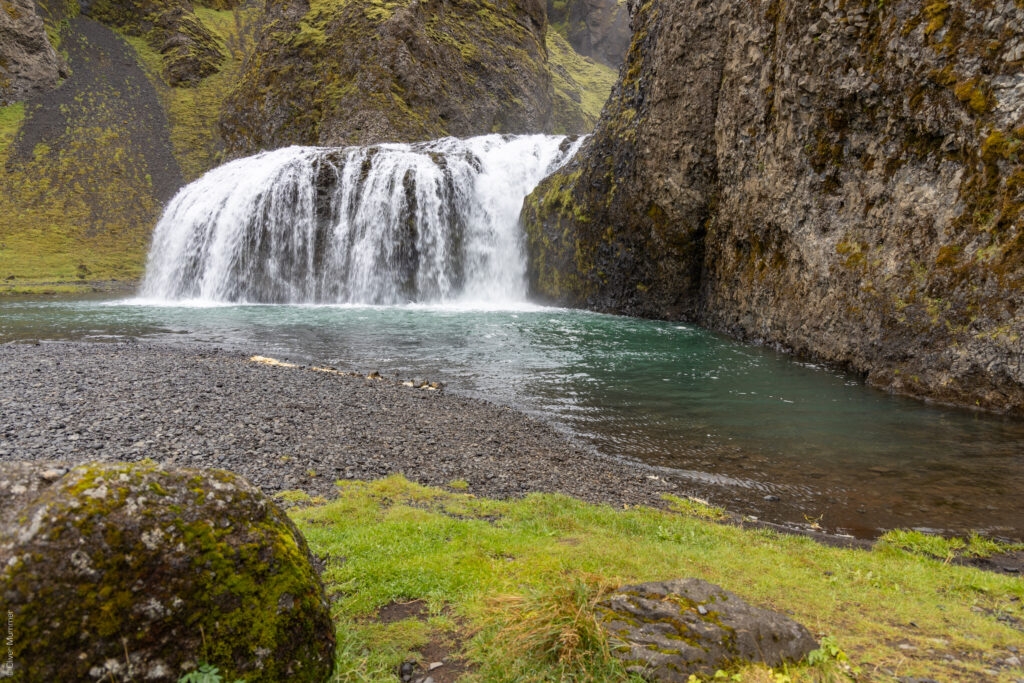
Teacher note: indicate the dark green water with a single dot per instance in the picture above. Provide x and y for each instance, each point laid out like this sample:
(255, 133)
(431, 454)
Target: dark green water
(732, 422)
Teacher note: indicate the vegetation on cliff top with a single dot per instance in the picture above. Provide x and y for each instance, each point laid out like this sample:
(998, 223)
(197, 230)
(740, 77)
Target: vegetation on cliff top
(507, 587)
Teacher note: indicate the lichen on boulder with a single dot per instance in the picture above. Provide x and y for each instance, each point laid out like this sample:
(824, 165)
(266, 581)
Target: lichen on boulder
(668, 630)
(130, 571)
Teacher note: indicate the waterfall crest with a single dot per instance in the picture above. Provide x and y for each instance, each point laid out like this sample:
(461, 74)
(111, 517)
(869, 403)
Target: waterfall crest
(388, 224)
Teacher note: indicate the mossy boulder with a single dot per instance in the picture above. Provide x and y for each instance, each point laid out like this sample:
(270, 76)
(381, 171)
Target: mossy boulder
(668, 630)
(133, 572)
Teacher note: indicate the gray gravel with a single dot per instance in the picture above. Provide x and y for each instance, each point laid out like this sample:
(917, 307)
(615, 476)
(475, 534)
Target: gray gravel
(283, 428)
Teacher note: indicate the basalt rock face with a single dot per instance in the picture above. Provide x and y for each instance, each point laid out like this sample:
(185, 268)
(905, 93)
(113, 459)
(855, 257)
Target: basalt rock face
(595, 28)
(28, 63)
(132, 572)
(364, 71)
(841, 179)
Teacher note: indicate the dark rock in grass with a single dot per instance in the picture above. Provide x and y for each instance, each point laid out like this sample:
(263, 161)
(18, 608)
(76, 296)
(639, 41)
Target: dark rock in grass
(133, 572)
(667, 630)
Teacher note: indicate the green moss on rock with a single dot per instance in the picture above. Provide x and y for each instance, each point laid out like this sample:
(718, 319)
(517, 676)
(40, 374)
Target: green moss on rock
(190, 51)
(135, 572)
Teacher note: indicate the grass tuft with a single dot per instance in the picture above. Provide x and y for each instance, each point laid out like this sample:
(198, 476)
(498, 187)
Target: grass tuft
(694, 507)
(559, 627)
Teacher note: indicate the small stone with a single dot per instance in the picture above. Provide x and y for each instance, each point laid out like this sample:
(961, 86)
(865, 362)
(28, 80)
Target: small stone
(53, 474)
(435, 665)
(772, 499)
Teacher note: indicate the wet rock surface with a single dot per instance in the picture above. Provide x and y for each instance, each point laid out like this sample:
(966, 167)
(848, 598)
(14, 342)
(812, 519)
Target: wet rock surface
(667, 630)
(283, 428)
(135, 572)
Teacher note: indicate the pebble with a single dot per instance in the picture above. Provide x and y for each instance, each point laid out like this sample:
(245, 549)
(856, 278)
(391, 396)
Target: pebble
(73, 402)
(772, 499)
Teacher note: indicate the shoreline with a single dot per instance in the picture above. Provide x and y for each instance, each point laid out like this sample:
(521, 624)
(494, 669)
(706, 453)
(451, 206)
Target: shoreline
(290, 427)
(285, 428)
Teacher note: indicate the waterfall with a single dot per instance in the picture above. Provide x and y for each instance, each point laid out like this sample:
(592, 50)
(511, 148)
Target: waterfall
(388, 224)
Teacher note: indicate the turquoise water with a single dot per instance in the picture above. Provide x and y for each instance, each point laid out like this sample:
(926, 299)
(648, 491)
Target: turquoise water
(728, 421)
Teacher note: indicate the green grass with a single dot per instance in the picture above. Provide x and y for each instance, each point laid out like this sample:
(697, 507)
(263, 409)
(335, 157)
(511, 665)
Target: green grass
(513, 583)
(44, 289)
(694, 507)
(574, 74)
(11, 117)
(947, 549)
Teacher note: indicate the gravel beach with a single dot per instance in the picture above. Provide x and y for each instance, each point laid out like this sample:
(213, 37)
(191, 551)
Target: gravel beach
(284, 427)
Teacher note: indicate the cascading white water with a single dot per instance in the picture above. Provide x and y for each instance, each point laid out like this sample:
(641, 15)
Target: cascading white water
(388, 224)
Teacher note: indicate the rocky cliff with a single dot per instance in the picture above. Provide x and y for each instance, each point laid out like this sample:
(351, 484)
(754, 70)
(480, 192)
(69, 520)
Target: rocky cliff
(595, 28)
(28, 62)
(843, 179)
(344, 72)
(190, 50)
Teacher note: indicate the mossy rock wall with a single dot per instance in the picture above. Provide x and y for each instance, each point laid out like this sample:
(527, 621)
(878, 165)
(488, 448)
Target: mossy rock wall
(131, 572)
(338, 72)
(190, 51)
(85, 167)
(88, 165)
(844, 179)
